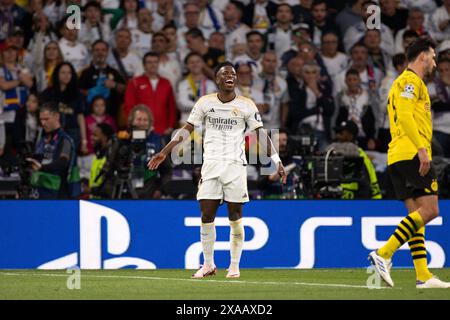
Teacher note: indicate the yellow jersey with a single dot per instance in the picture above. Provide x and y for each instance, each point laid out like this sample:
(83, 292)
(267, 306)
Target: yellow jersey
(409, 110)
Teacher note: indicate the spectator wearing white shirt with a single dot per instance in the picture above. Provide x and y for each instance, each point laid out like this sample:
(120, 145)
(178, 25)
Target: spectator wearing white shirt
(170, 32)
(275, 91)
(254, 52)
(43, 69)
(334, 60)
(194, 86)
(245, 84)
(122, 58)
(439, 91)
(235, 30)
(211, 18)
(378, 57)
(279, 35)
(359, 105)
(191, 14)
(369, 75)
(259, 14)
(55, 11)
(440, 22)
(318, 106)
(72, 49)
(129, 19)
(43, 34)
(142, 36)
(356, 33)
(308, 52)
(163, 14)
(169, 67)
(416, 23)
(93, 28)
(321, 22)
(300, 33)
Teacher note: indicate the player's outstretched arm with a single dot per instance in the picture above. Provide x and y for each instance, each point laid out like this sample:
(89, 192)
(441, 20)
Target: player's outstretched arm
(159, 158)
(265, 141)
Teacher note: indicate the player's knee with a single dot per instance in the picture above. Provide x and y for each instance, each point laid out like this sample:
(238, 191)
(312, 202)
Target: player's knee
(207, 218)
(431, 211)
(234, 214)
(434, 211)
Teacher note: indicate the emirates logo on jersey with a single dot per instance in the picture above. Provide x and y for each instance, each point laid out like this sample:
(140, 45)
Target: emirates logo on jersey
(222, 124)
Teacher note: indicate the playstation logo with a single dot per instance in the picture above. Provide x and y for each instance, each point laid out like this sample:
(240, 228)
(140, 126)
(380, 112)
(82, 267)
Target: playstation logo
(90, 254)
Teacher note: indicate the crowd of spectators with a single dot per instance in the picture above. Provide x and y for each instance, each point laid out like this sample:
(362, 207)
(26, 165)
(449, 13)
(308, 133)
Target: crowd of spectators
(309, 66)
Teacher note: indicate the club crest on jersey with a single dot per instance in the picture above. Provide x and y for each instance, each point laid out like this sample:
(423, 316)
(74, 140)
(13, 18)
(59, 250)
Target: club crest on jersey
(408, 91)
(434, 185)
(235, 112)
(427, 107)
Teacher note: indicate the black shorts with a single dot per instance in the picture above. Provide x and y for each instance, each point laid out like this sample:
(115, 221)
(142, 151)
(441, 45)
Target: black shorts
(407, 181)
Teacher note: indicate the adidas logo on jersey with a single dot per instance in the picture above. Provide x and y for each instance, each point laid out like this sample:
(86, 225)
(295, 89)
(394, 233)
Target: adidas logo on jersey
(211, 110)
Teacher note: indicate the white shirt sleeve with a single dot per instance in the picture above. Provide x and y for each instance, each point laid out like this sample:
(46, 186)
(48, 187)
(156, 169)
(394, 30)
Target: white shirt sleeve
(253, 118)
(197, 114)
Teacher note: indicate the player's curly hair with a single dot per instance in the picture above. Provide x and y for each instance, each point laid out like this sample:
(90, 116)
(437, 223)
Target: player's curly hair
(221, 65)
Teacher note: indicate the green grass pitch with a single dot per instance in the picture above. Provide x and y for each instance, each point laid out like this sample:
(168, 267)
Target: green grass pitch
(258, 284)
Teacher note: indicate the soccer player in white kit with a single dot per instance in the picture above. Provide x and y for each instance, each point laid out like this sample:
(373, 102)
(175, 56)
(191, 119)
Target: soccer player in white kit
(224, 116)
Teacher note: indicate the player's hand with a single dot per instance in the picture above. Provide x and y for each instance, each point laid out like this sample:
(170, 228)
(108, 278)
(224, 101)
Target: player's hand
(156, 160)
(282, 173)
(425, 163)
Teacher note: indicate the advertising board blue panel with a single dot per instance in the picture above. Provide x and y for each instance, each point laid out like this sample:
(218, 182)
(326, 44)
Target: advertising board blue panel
(165, 234)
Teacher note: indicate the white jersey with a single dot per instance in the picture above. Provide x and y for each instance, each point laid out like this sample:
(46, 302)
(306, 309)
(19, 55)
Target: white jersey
(224, 126)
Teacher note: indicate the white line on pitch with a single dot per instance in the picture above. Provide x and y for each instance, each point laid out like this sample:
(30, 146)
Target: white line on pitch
(336, 285)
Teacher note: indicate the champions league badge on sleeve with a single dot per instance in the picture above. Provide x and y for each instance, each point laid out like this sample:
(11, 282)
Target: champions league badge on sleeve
(408, 91)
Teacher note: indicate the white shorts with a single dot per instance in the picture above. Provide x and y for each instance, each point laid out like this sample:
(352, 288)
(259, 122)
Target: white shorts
(223, 181)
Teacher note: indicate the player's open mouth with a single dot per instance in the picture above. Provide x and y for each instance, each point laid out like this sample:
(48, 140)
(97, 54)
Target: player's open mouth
(230, 81)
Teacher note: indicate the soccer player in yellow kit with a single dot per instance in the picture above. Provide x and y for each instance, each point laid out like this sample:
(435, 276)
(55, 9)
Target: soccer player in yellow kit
(409, 164)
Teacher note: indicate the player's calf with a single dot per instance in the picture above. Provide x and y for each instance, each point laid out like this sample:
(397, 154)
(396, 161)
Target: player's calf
(237, 236)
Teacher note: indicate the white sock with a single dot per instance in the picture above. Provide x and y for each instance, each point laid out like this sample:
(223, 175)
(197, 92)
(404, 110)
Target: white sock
(237, 236)
(208, 237)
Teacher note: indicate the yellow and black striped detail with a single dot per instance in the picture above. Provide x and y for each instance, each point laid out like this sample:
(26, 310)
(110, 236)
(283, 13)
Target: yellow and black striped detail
(417, 246)
(405, 230)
